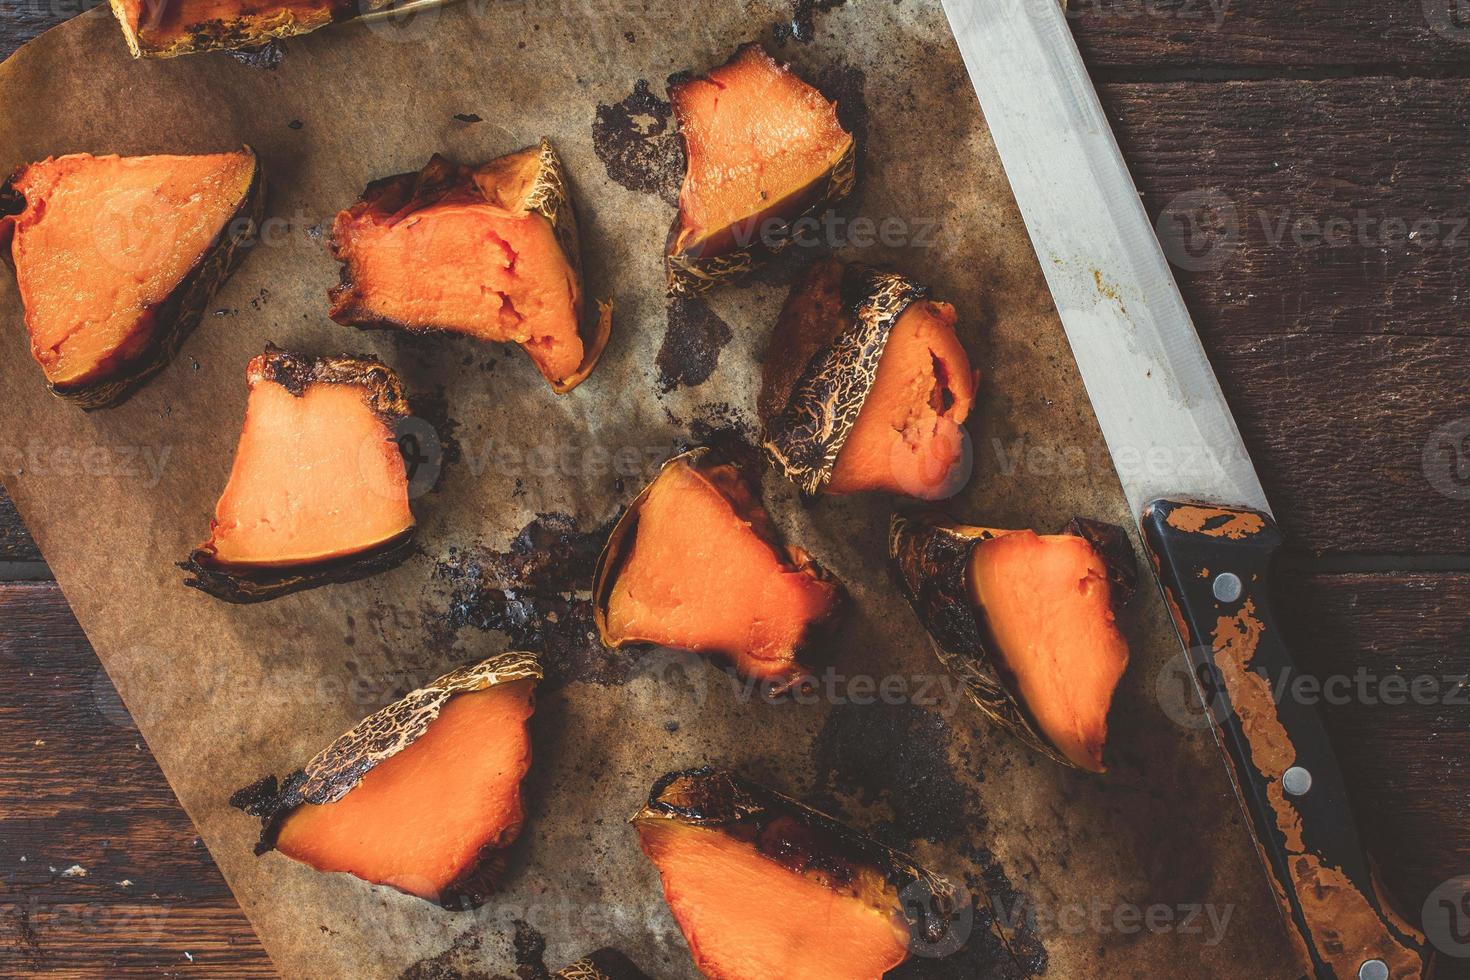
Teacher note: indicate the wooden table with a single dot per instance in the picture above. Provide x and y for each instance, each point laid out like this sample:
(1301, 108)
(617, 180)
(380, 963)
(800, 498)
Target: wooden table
(1310, 166)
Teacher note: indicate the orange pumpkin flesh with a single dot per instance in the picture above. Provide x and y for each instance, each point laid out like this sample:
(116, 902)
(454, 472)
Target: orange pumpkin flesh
(424, 819)
(704, 575)
(466, 256)
(317, 476)
(104, 241)
(748, 916)
(908, 437)
(1047, 604)
(759, 141)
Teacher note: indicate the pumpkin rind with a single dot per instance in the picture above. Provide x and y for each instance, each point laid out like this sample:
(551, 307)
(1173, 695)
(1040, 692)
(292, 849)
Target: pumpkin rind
(177, 316)
(336, 770)
(929, 556)
(807, 419)
(719, 799)
(248, 30)
(294, 373)
(546, 194)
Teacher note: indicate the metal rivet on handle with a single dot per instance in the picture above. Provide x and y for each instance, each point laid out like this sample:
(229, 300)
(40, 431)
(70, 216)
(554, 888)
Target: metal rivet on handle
(1373, 970)
(1297, 781)
(1227, 587)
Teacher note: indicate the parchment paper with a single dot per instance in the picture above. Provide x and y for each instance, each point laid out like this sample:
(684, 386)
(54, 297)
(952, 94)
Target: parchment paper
(1107, 868)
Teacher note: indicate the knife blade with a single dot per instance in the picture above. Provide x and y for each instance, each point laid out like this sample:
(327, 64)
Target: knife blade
(1187, 477)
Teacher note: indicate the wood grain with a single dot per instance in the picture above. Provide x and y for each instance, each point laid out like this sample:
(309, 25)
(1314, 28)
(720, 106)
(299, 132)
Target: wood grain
(100, 871)
(1361, 36)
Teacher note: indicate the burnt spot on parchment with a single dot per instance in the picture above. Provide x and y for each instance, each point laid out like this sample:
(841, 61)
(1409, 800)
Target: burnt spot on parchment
(899, 753)
(538, 593)
(636, 143)
(530, 950)
(433, 407)
(802, 26)
(902, 754)
(693, 339)
(267, 56)
(844, 84)
(455, 963)
(730, 433)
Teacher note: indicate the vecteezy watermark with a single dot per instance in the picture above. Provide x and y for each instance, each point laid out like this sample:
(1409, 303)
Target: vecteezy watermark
(1101, 917)
(1451, 18)
(43, 458)
(1446, 459)
(1193, 694)
(1203, 229)
(1446, 917)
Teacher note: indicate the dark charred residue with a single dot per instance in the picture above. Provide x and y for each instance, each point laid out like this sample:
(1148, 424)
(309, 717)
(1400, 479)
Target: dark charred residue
(844, 84)
(901, 753)
(803, 23)
(268, 56)
(295, 124)
(731, 434)
(467, 117)
(536, 592)
(985, 953)
(530, 950)
(433, 408)
(636, 143)
(693, 339)
(455, 963)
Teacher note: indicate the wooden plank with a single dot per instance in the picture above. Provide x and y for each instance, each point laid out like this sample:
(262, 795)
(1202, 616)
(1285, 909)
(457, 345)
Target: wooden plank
(1343, 354)
(15, 540)
(1366, 36)
(100, 870)
(1404, 755)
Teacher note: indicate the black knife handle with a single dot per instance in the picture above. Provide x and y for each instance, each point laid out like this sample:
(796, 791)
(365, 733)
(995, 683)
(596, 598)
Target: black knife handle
(1213, 566)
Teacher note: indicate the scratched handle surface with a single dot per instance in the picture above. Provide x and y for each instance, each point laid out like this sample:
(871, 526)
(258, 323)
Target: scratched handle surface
(1321, 877)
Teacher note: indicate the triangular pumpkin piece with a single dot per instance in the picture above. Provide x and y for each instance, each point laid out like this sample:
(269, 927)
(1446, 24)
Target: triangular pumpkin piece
(117, 257)
(319, 489)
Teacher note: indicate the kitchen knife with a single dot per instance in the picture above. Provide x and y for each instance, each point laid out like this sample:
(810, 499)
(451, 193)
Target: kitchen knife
(1186, 474)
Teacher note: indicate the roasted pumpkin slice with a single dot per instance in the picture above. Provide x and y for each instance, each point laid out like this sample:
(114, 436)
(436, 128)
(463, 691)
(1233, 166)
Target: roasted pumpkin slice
(318, 492)
(165, 28)
(1027, 621)
(423, 796)
(763, 886)
(117, 257)
(696, 564)
(763, 149)
(866, 386)
(489, 252)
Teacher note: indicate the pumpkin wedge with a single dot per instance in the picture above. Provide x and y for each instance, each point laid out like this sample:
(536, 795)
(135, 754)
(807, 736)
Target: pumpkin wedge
(763, 886)
(489, 252)
(1027, 621)
(603, 964)
(116, 259)
(166, 28)
(423, 796)
(865, 386)
(763, 149)
(319, 491)
(696, 564)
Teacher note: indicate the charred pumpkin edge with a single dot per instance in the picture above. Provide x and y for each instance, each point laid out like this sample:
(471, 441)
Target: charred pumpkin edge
(806, 436)
(929, 556)
(243, 585)
(620, 542)
(336, 770)
(174, 319)
(719, 798)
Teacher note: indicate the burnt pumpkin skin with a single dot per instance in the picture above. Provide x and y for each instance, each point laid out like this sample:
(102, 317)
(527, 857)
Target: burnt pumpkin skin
(116, 259)
(168, 28)
(762, 150)
(423, 796)
(489, 252)
(1027, 621)
(696, 564)
(318, 491)
(866, 387)
(763, 886)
